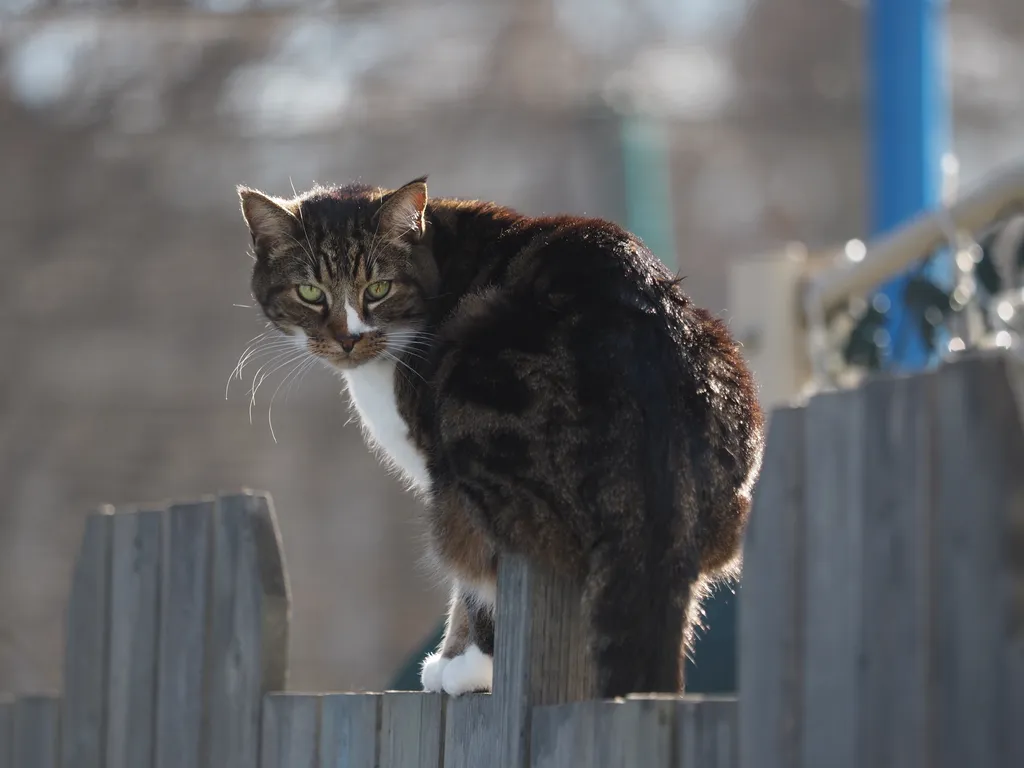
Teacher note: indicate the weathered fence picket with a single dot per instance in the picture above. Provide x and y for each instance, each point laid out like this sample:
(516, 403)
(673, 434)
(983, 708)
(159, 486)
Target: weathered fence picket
(881, 624)
(6, 731)
(36, 731)
(883, 598)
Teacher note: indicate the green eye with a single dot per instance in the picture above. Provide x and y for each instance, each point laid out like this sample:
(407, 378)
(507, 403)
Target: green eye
(310, 293)
(378, 290)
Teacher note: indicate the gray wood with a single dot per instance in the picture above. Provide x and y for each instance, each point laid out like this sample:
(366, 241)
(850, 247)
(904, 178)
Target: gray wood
(134, 612)
(183, 611)
(1013, 583)
(771, 602)
(247, 648)
(290, 731)
(85, 649)
(895, 677)
(469, 731)
(350, 730)
(411, 730)
(541, 654)
(564, 735)
(634, 732)
(833, 520)
(6, 732)
(707, 732)
(978, 555)
(36, 731)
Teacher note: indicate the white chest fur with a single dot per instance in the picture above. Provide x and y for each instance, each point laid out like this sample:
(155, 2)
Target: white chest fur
(371, 388)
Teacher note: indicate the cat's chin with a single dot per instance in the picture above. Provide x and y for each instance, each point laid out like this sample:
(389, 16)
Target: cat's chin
(345, 364)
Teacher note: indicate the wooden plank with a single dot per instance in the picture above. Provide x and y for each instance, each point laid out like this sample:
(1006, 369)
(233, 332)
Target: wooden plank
(636, 731)
(350, 730)
(185, 577)
(36, 731)
(6, 731)
(833, 520)
(86, 648)
(1013, 583)
(411, 730)
(978, 548)
(541, 654)
(895, 675)
(134, 615)
(290, 730)
(247, 648)
(707, 732)
(469, 731)
(771, 602)
(563, 735)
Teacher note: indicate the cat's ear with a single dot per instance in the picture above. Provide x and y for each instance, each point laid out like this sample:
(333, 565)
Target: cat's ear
(270, 219)
(403, 212)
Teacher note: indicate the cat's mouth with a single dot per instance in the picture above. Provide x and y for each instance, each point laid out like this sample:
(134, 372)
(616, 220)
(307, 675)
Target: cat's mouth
(351, 350)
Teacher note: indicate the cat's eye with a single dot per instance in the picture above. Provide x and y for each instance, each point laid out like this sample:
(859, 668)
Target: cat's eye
(310, 293)
(378, 290)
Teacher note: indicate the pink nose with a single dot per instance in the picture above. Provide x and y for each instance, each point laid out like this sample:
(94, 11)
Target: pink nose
(347, 341)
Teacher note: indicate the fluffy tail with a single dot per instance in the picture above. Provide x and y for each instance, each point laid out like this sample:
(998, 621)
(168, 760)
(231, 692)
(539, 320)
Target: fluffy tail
(637, 614)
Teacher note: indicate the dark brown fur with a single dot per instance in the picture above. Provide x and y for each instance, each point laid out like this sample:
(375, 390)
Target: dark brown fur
(571, 402)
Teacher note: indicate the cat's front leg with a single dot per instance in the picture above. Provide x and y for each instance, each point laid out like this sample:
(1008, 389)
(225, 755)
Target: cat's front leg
(456, 638)
(464, 663)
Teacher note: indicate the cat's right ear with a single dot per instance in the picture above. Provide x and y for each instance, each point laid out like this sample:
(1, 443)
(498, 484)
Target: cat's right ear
(271, 220)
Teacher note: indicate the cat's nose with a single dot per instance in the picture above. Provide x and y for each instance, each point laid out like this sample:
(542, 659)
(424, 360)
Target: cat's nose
(347, 340)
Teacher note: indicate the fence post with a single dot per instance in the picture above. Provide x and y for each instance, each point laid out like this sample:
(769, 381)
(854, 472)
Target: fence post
(882, 608)
(771, 602)
(85, 649)
(541, 654)
(6, 732)
(177, 624)
(978, 544)
(36, 731)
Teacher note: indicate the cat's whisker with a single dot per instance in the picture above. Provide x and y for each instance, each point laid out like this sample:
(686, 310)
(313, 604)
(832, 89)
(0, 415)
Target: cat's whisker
(259, 350)
(251, 353)
(263, 377)
(270, 409)
(279, 355)
(306, 368)
(398, 361)
(254, 348)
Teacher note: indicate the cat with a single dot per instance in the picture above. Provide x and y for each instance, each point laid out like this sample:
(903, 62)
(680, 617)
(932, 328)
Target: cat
(547, 387)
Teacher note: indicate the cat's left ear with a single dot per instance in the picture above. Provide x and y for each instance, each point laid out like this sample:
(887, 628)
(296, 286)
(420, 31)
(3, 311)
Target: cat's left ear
(403, 213)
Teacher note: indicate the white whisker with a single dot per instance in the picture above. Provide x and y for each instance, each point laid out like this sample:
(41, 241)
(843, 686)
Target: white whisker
(270, 409)
(261, 378)
(255, 347)
(398, 361)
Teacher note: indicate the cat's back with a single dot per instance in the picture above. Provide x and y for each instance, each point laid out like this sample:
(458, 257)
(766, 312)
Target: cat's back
(569, 259)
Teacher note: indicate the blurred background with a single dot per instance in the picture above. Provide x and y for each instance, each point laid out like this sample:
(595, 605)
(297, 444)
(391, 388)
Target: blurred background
(717, 129)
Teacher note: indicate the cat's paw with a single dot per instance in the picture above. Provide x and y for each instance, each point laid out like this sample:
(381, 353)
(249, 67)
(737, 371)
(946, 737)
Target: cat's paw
(431, 672)
(469, 672)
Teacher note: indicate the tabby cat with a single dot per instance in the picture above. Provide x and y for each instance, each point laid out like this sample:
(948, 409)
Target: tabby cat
(548, 388)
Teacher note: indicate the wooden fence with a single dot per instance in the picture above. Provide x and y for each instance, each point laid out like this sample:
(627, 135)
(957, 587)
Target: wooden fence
(882, 624)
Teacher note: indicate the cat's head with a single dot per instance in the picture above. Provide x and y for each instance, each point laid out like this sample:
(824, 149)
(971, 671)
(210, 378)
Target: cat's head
(347, 272)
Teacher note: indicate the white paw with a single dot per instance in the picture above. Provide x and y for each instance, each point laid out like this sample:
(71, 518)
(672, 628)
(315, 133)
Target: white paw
(470, 671)
(432, 671)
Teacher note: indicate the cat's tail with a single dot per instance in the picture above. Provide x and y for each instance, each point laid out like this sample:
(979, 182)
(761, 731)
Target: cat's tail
(642, 574)
(637, 617)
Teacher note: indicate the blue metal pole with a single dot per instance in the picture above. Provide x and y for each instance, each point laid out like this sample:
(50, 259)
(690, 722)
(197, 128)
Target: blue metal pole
(909, 132)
